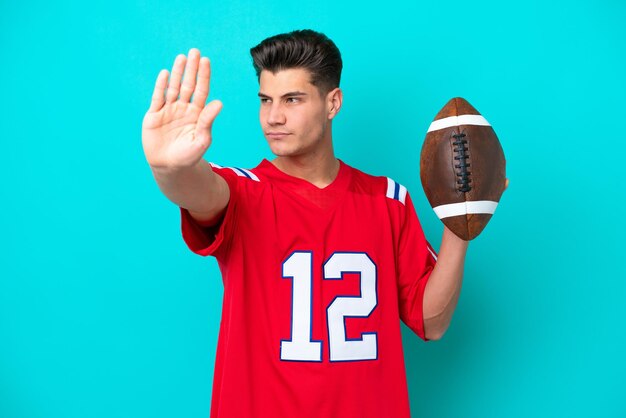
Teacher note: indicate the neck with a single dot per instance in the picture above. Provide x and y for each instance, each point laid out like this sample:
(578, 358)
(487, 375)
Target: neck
(318, 169)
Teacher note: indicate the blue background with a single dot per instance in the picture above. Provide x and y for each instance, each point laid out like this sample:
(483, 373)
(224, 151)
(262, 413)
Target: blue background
(105, 312)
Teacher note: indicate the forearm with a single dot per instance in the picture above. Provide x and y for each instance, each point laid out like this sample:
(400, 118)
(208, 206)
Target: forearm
(444, 285)
(195, 188)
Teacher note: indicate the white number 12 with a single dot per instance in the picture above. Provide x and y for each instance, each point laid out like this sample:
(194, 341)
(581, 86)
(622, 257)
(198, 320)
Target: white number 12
(299, 267)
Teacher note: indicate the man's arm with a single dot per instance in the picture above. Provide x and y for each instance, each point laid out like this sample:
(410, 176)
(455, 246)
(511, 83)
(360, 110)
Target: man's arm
(176, 132)
(198, 189)
(444, 285)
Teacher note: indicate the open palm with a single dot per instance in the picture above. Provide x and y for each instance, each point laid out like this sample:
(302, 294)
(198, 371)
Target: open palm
(176, 130)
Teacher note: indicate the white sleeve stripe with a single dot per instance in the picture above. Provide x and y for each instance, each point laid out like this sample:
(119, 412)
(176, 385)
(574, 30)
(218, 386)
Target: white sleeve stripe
(431, 252)
(237, 171)
(402, 194)
(391, 186)
(241, 172)
(396, 191)
(250, 174)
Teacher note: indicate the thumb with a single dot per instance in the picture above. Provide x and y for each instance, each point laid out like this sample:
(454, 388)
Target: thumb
(206, 118)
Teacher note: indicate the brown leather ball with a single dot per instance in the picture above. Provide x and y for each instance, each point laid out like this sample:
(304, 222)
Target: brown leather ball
(462, 168)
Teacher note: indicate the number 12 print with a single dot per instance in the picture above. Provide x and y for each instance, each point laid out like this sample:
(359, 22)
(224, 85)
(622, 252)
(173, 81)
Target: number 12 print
(299, 267)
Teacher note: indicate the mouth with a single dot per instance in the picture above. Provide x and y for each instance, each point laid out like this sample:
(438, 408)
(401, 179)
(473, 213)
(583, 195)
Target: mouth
(277, 135)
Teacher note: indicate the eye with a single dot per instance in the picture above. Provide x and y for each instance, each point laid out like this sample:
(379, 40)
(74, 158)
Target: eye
(263, 100)
(293, 99)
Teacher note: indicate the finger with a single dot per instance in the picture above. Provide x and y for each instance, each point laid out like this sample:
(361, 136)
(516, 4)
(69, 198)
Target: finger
(189, 80)
(177, 75)
(202, 88)
(206, 119)
(158, 95)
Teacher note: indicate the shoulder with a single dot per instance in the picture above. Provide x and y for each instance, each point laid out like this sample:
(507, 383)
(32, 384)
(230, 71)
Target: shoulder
(379, 186)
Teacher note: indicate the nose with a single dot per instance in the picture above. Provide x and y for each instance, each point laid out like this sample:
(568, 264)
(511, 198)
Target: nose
(276, 115)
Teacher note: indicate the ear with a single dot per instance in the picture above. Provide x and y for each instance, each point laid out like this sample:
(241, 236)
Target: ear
(334, 98)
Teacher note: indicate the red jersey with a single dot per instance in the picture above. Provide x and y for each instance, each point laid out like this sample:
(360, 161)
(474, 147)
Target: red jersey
(315, 284)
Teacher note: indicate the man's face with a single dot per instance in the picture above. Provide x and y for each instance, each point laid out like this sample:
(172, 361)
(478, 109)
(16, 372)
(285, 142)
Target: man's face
(291, 105)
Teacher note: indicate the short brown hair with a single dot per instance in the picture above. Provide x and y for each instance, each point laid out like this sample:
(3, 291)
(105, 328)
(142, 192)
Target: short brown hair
(306, 49)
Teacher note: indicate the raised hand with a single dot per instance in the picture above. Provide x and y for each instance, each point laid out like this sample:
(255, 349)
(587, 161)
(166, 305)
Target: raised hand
(176, 130)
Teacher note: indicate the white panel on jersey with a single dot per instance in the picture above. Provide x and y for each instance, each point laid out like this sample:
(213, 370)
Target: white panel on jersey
(457, 121)
(464, 208)
(396, 190)
(342, 349)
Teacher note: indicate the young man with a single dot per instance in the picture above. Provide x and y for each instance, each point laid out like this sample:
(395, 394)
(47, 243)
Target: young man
(320, 261)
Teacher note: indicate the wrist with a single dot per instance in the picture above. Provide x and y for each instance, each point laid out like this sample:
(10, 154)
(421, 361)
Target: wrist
(452, 240)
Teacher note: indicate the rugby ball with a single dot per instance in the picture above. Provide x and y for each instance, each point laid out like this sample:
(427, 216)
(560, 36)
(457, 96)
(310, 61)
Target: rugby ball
(462, 168)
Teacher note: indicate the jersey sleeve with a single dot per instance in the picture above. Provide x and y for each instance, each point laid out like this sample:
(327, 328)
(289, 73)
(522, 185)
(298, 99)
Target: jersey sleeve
(416, 260)
(212, 240)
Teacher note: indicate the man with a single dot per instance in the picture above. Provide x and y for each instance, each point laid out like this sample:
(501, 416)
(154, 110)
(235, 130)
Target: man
(319, 260)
